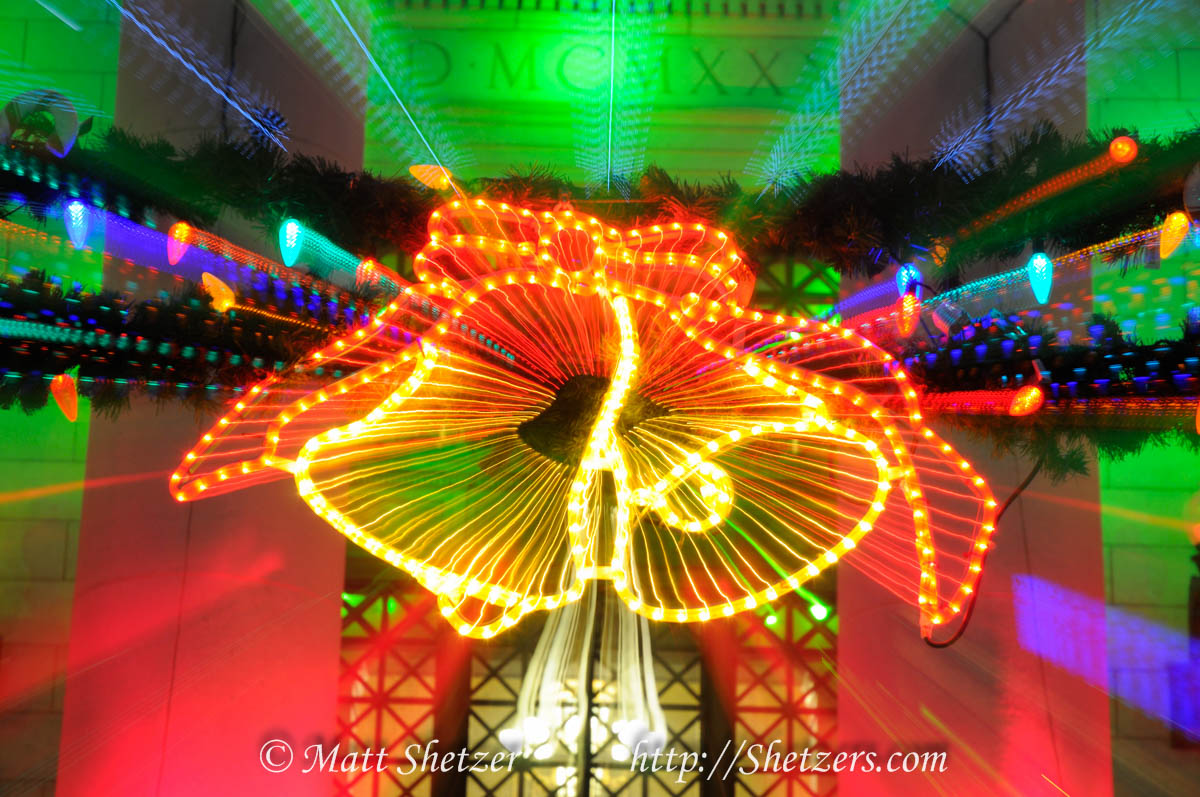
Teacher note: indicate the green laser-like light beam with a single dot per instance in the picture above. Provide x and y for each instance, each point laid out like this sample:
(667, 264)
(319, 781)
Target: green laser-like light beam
(379, 71)
(612, 90)
(804, 593)
(63, 18)
(768, 346)
(775, 345)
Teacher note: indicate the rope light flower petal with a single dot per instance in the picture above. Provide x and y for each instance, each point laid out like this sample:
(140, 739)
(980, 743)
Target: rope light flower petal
(260, 436)
(463, 476)
(470, 240)
(948, 512)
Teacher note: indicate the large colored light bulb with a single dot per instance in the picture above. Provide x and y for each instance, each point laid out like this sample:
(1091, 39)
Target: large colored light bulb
(906, 276)
(291, 233)
(1122, 149)
(178, 241)
(75, 217)
(222, 295)
(1174, 230)
(1040, 270)
(62, 387)
(908, 313)
(1027, 401)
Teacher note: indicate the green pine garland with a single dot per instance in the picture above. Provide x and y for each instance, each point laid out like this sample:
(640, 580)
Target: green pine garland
(115, 346)
(859, 221)
(1066, 445)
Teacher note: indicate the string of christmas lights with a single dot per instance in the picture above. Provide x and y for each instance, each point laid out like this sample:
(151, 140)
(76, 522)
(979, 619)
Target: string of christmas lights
(1072, 266)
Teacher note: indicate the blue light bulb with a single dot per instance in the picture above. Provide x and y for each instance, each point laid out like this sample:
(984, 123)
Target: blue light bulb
(75, 217)
(906, 276)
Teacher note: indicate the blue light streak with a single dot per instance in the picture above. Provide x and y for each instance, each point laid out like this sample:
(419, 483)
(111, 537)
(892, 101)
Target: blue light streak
(1130, 29)
(847, 70)
(159, 37)
(1088, 638)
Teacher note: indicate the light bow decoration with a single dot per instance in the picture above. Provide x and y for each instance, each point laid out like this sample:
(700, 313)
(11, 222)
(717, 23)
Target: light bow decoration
(557, 401)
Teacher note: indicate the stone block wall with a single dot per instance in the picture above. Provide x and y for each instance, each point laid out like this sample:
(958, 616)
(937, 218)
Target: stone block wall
(42, 455)
(41, 467)
(1142, 75)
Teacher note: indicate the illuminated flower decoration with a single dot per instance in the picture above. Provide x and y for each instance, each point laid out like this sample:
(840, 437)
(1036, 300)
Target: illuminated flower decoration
(558, 401)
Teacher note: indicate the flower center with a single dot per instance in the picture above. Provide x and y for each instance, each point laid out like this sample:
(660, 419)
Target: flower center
(560, 432)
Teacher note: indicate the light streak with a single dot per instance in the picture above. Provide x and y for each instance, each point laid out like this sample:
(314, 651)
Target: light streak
(1086, 637)
(632, 41)
(60, 16)
(1118, 154)
(1022, 401)
(47, 490)
(850, 66)
(392, 90)
(156, 32)
(964, 145)
(1070, 264)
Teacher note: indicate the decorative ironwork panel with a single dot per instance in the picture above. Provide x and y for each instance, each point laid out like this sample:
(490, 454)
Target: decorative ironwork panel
(786, 695)
(796, 288)
(496, 674)
(496, 670)
(387, 695)
(407, 678)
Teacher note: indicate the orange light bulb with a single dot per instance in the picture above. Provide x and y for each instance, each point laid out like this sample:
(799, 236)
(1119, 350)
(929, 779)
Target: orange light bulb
(908, 313)
(179, 238)
(222, 295)
(1027, 401)
(62, 387)
(1122, 149)
(1174, 230)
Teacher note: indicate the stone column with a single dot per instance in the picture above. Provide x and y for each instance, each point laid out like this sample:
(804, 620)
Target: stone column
(203, 631)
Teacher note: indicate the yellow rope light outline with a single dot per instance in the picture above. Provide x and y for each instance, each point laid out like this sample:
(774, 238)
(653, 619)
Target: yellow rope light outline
(611, 245)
